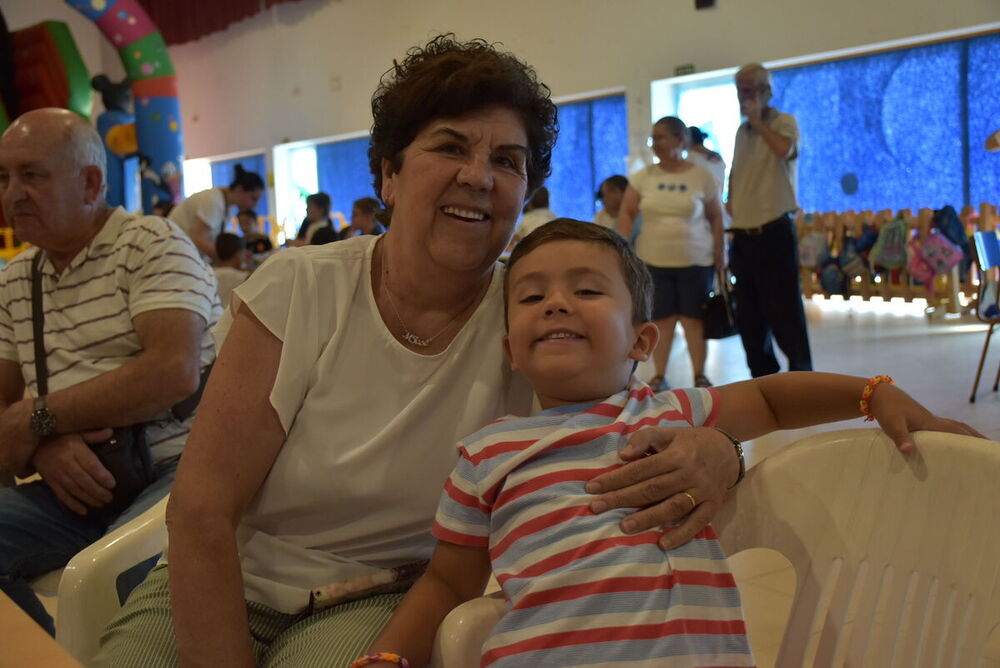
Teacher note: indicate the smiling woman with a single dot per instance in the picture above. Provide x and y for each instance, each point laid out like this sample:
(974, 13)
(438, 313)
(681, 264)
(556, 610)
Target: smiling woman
(462, 133)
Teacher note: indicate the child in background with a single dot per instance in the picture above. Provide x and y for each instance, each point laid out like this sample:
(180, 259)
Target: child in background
(231, 266)
(256, 242)
(611, 192)
(581, 590)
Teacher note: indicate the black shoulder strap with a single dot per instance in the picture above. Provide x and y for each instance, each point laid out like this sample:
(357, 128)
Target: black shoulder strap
(38, 324)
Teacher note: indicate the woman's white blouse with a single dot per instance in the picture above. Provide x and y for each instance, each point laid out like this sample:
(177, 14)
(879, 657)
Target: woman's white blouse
(371, 426)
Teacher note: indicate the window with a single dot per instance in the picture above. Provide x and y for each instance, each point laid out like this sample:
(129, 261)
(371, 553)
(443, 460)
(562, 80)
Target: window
(223, 172)
(898, 129)
(294, 179)
(592, 145)
(342, 169)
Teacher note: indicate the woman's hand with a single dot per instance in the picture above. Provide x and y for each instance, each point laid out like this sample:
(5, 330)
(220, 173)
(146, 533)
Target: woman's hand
(671, 474)
(899, 415)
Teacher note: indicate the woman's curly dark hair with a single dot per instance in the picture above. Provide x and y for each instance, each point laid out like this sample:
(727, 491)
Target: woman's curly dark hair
(447, 79)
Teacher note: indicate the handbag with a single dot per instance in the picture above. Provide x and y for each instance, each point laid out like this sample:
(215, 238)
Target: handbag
(126, 454)
(717, 313)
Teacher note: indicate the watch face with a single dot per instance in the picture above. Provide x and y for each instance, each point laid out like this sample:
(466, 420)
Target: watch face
(43, 422)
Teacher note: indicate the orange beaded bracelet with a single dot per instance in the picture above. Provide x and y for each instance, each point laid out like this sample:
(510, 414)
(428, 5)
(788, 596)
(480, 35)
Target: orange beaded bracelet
(380, 657)
(866, 394)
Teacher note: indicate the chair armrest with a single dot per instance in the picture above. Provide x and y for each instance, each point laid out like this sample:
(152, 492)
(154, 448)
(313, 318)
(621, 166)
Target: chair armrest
(88, 595)
(459, 641)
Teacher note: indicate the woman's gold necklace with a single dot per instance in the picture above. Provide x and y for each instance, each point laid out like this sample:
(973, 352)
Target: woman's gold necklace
(409, 336)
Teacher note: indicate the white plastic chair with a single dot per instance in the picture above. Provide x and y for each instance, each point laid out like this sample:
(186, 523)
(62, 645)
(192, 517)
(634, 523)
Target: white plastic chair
(88, 591)
(896, 558)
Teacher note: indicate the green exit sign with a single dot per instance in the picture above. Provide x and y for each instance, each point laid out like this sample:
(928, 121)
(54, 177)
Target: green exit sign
(681, 70)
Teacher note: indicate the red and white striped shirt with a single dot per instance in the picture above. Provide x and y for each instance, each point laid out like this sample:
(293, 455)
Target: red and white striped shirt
(581, 592)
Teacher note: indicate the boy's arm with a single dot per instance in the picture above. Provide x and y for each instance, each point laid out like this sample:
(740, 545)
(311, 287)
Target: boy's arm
(456, 574)
(802, 399)
(701, 462)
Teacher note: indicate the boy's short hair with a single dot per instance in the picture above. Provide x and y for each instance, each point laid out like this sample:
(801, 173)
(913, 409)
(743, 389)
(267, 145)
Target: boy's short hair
(367, 205)
(227, 245)
(634, 271)
(321, 200)
(247, 212)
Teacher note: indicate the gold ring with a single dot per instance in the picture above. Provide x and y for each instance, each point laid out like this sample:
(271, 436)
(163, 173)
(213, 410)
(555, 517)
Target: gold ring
(694, 504)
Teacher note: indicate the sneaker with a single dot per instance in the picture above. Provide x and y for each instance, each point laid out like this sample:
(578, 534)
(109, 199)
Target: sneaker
(702, 380)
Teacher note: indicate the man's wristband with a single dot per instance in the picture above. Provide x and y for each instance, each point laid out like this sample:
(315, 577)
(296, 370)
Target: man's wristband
(738, 447)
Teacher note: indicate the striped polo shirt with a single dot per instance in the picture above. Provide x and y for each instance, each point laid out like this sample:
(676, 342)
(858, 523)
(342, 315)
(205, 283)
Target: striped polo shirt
(580, 592)
(133, 265)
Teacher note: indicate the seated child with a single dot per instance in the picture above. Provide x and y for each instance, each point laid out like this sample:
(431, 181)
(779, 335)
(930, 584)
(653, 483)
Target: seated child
(256, 242)
(230, 267)
(581, 591)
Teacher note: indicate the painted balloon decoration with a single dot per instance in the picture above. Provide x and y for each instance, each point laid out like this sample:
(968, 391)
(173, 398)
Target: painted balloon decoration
(158, 141)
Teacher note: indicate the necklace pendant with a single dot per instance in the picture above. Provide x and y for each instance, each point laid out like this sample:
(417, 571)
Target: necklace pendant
(410, 337)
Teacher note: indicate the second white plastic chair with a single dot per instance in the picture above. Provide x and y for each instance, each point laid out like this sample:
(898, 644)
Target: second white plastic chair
(897, 560)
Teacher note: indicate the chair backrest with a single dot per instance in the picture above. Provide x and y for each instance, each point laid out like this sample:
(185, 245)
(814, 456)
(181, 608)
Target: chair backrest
(986, 252)
(89, 589)
(896, 557)
(987, 249)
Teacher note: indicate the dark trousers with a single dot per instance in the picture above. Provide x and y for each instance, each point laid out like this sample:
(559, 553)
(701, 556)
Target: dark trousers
(769, 297)
(39, 534)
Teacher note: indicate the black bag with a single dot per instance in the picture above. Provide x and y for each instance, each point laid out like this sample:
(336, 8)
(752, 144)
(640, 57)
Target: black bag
(717, 313)
(126, 454)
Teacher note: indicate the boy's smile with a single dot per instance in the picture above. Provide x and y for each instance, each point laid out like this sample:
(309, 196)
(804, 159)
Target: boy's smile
(570, 323)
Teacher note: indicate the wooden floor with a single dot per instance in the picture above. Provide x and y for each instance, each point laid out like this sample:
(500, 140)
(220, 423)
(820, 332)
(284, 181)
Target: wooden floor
(932, 358)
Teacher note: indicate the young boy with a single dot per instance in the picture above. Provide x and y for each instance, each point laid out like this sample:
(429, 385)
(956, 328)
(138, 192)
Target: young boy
(256, 242)
(581, 591)
(230, 267)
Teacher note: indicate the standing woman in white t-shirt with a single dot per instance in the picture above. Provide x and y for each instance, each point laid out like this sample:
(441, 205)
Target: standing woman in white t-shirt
(680, 242)
(203, 214)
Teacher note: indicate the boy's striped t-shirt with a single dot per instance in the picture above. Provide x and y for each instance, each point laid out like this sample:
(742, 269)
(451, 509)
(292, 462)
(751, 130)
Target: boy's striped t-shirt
(580, 592)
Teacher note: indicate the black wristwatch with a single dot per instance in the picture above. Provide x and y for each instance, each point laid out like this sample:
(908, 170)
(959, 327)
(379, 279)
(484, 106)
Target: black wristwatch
(43, 422)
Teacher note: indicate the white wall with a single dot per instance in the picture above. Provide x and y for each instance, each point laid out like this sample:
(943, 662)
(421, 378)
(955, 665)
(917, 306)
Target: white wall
(307, 69)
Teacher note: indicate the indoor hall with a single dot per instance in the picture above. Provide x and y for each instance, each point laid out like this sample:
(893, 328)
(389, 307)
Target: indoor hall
(284, 91)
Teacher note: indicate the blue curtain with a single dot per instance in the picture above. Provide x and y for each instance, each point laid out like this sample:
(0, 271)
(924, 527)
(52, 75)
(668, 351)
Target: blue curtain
(343, 172)
(984, 117)
(879, 130)
(224, 170)
(592, 145)
(898, 129)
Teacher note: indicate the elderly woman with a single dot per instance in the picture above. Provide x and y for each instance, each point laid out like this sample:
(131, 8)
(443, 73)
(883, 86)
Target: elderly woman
(306, 493)
(347, 373)
(680, 241)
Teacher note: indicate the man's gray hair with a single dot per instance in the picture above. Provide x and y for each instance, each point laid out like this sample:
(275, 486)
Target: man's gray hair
(86, 147)
(760, 74)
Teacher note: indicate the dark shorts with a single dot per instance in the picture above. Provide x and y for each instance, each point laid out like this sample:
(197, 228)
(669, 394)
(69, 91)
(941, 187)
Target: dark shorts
(680, 290)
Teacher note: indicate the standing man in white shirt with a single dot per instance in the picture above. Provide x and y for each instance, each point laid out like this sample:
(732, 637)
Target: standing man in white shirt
(764, 253)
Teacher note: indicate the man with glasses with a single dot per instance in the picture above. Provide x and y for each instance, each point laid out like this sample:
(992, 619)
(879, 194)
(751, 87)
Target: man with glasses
(764, 250)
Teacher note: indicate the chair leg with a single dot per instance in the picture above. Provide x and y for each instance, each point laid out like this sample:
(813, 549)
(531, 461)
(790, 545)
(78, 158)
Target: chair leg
(979, 371)
(996, 381)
